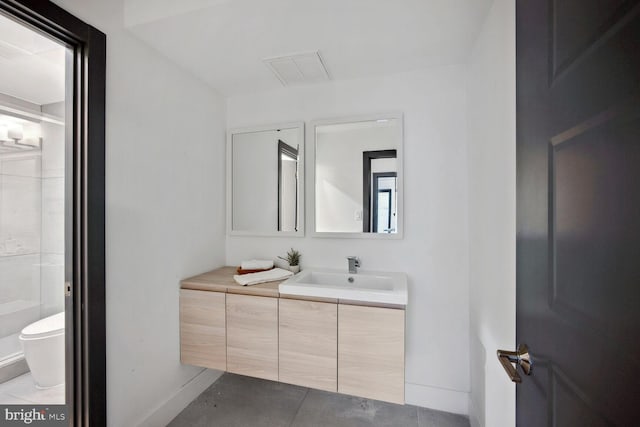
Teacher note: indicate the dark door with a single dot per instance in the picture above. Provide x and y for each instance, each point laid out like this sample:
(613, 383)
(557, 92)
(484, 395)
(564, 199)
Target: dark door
(578, 207)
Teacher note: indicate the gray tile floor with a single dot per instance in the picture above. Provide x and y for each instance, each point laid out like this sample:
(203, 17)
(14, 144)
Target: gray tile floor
(238, 401)
(22, 390)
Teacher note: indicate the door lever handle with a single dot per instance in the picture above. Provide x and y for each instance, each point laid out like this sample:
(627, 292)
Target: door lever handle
(509, 359)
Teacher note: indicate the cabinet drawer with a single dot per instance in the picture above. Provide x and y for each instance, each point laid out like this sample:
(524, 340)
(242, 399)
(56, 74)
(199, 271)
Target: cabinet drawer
(371, 352)
(308, 344)
(252, 336)
(203, 329)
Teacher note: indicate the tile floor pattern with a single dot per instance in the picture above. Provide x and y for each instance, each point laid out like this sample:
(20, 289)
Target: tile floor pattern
(22, 391)
(238, 401)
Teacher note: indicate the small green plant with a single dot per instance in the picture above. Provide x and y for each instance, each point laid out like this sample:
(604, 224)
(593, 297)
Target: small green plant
(293, 257)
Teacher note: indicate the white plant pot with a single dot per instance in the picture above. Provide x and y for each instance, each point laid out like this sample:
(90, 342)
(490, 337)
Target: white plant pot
(294, 269)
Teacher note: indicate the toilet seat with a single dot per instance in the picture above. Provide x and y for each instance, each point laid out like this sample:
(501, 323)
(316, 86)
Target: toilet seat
(47, 327)
(43, 344)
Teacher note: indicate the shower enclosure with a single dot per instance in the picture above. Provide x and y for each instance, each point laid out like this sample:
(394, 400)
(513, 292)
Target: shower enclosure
(31, 222)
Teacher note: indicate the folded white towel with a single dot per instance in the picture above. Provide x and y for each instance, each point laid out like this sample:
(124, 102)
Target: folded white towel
(262, 277)
(256, 264)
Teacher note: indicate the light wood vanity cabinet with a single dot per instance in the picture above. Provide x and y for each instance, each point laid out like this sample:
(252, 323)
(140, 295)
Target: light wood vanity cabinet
(203, 329)
(252, 336)
(254, 331)
(308, 343)
(371, 352)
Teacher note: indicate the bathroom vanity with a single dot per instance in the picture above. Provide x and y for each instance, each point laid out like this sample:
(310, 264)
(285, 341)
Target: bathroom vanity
(338, 345)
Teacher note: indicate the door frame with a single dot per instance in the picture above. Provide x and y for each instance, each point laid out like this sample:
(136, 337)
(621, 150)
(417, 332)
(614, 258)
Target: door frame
(376, 175)
(286, 149)
(367, 156)
(87, 397)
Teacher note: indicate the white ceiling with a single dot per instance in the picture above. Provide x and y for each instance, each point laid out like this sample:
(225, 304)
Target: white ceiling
(31, 66)
(224, 41)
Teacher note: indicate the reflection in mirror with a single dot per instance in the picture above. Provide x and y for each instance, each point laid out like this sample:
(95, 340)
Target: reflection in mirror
(357, 175)
(287, 187)
(379, 191)
(264, 169)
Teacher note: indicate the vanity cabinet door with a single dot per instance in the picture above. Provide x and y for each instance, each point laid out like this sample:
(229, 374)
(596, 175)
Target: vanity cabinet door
(308, 343)
(252, 336)
(203, 329)
(371, 352)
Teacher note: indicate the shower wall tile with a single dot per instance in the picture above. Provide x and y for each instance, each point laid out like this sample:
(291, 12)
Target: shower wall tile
(52, 216)
(21, 165)
(53, 150)
(20, 215)
(20, 278)
(14, 316)
(32, 228)
(52, 284)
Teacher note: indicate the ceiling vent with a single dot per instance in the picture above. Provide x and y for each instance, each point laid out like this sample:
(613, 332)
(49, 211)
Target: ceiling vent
(302, 68)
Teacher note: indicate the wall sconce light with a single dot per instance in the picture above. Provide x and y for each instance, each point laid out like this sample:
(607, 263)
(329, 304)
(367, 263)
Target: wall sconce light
(11, 132)
(13, 138)
(15, 132)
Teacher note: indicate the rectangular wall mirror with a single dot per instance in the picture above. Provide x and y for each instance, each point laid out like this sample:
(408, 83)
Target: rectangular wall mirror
(265, 185)
(358, 177)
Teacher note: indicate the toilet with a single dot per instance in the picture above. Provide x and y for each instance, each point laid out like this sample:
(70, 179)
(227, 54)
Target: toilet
(43, 346)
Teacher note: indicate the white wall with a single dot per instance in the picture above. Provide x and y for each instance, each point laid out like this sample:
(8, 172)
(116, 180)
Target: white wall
(434, 250)
(492, 210)
(165, 215)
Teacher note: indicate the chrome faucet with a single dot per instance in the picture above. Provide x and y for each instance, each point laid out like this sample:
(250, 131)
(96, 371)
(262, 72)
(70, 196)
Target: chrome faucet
(354, 263)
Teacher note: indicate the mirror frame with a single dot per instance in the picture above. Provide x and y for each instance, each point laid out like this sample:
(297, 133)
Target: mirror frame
(400, 178)
(301, 182)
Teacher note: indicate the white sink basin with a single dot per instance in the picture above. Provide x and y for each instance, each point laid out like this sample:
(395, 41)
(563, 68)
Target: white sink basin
(367, 286)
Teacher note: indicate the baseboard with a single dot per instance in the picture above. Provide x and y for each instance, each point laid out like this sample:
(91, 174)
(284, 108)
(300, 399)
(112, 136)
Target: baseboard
(168, 410)
(436, 398)
(475, 416)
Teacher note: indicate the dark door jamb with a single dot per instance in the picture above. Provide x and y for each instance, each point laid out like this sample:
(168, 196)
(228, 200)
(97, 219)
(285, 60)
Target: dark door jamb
(88, 404)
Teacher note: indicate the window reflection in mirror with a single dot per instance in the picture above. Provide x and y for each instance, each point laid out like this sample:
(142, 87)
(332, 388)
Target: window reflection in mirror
(357, 173)
(287, 187)
(264, 173)
(380, 171)
(384, 216)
